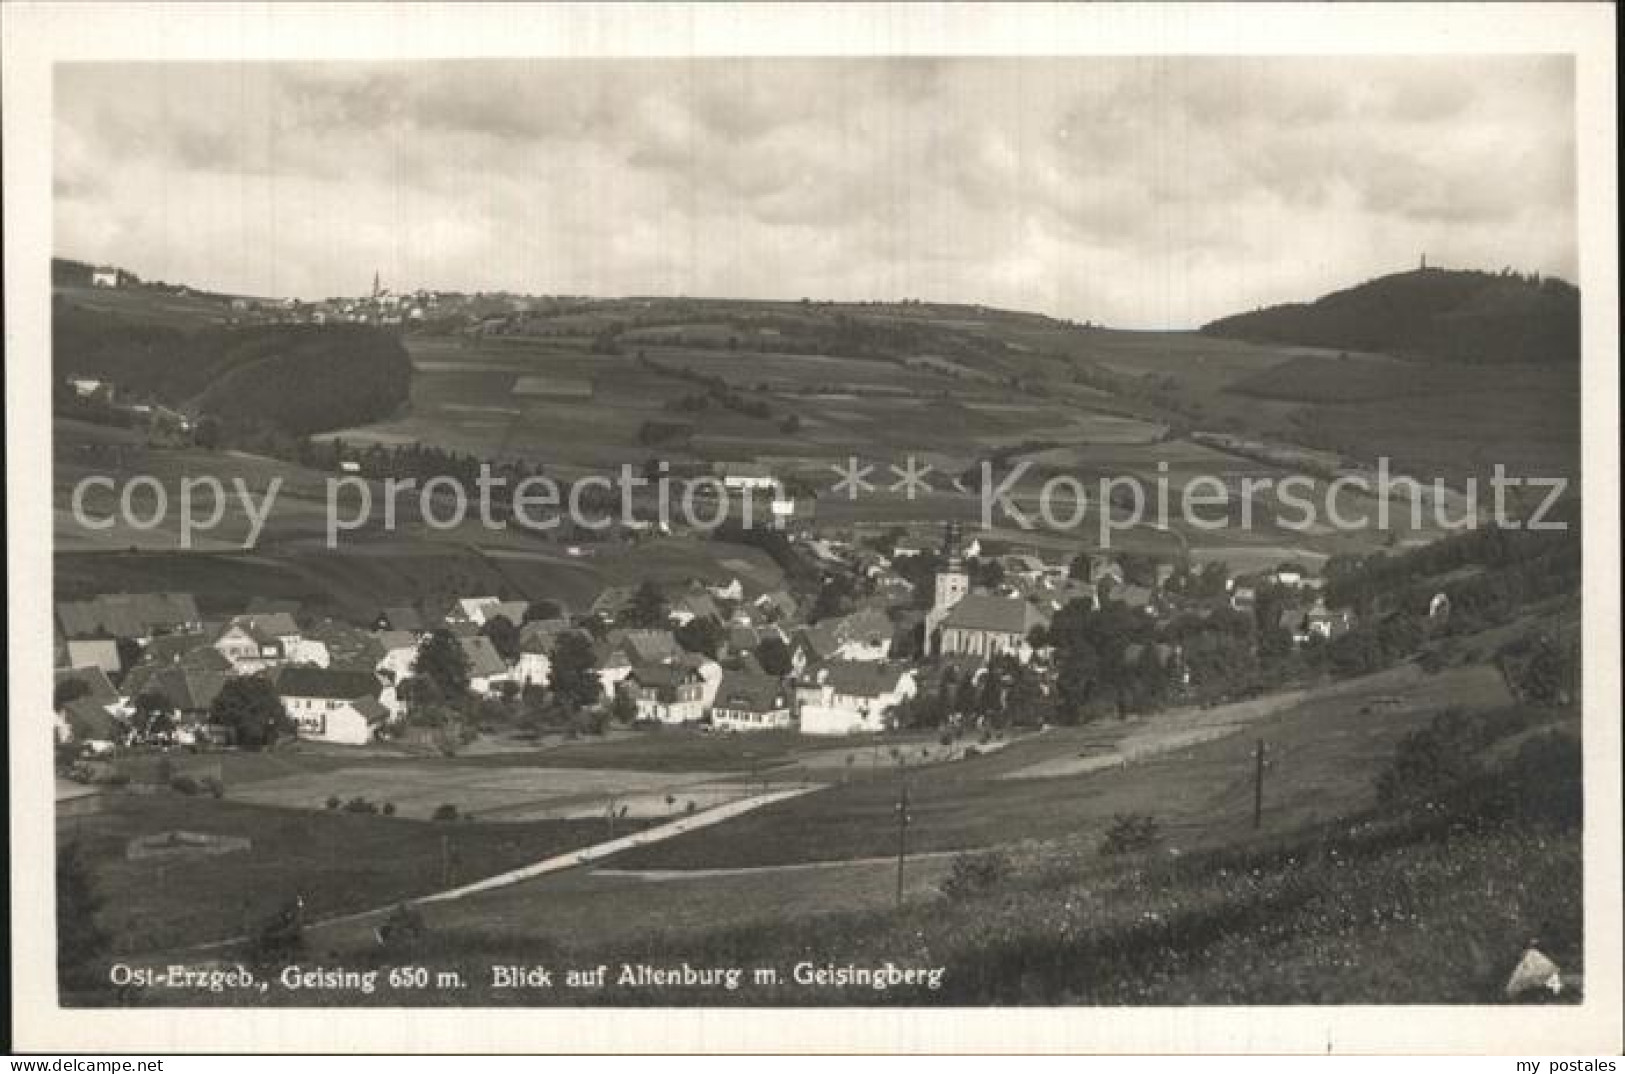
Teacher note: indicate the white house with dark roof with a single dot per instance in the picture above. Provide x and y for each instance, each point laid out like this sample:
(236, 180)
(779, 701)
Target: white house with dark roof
(850, 697)
(747, 701)
(332, 705)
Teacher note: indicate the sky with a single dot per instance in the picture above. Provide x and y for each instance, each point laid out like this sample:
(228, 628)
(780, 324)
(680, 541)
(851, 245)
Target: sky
(1157, 192)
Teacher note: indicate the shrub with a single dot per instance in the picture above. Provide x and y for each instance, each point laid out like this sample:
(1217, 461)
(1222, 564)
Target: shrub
(389, 809)
(975, 872)
(1130, 832)
(403, 928)
(280, 938)
(333, 801)
(213, 787)
(360, 805)
(446, 811)
(184, 785)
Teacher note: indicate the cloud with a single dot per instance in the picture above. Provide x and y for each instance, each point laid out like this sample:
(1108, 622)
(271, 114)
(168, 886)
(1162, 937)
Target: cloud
(1137, 191)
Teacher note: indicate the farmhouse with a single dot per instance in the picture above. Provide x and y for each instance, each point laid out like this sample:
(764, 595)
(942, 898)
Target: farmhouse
(670, 693)
(985, 625)
(750, 702)
(104, 277)
(329, 705)
(400, 652)
(845, 697)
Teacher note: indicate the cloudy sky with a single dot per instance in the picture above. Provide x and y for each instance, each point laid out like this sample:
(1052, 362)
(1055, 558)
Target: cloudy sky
(1134, 192)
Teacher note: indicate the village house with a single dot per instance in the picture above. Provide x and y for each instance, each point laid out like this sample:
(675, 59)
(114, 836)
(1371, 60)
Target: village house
(863, 635)
(487, 671)
(739, 476)
(400, 652)
(329, 705)
(733, 591)
(845, 697)
(188, 691)
(252, 643)
(751, 702)
(670, 693)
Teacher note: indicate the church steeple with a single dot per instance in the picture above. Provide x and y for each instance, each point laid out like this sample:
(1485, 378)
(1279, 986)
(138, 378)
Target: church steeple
(374, 283)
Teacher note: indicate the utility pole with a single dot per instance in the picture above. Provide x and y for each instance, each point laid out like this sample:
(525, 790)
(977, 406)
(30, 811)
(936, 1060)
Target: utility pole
(1258, 785)
(902, 826)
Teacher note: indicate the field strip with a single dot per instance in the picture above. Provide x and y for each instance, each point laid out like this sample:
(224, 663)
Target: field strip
(558, 863)
(660, 876)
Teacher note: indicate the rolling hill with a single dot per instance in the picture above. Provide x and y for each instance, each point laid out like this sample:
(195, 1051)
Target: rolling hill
(1477, 317)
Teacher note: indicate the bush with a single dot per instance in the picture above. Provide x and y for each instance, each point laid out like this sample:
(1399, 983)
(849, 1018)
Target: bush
(184, 785)
(360, 805)
(403, 929)
(976, 872)
(213, 787)
(446, 811)
(1130, 832)
(333, 801)
(389, 809)
(279, 939)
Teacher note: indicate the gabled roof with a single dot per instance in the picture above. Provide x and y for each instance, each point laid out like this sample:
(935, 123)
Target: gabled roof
(1001, 615)
(167, 648)
(267, 626)
(390, 640)
(646, 646)
(751, 693)
(342, 684)
(538, 635)
(483, 659)
(511, 610)
(347, 646)
(187, 689)
(101, 687)
(865, 627)
(126, 615)
(372, 709)
(403, 618)
(612, 600)
(656, 676)
(89, 721)
(862, 678)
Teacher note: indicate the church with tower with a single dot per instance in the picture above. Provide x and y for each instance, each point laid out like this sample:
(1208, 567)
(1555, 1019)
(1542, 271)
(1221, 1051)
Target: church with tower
(979, 624)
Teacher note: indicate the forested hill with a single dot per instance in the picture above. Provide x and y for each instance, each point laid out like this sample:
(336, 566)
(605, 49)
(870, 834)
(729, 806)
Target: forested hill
(298, 378)
(1438, 313)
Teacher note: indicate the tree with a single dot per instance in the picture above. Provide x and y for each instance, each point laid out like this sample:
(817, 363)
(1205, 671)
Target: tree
(702, 635)
(154, 716)
(774, 656)
(81, 940)
(647, 608)
(623, 708)
(574, 679)
(441, 660)
(543, 609)
(67, 691)
(503, 635)
(251, 708)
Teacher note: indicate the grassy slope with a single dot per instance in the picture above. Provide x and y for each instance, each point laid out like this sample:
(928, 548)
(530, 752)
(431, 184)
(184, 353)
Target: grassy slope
(337, 861)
